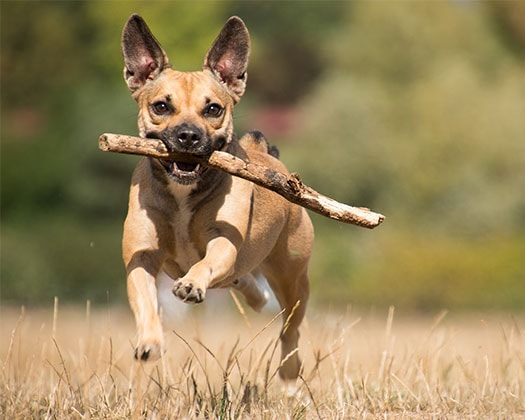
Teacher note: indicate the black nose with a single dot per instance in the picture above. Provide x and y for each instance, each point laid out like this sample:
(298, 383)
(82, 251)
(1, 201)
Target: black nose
(188, 136)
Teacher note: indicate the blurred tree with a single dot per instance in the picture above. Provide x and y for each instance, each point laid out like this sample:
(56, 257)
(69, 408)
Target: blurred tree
(288, 39)
(429, 125)
(509, 18)
(39, 50)
(421, 117)
(413, 109)
(63, 202)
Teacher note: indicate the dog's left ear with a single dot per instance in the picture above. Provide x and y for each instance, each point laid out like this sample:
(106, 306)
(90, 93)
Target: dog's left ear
(228, 56)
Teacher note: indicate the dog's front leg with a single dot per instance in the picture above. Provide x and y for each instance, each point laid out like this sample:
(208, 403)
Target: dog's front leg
(217, 265)
(142, 294)
(143, 258)
(223, 238)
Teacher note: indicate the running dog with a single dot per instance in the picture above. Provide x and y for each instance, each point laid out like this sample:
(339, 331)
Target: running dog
(202, 227)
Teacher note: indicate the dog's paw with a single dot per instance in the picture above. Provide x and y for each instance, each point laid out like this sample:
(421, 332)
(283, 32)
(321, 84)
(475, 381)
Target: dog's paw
(147, 352)
(188, 292)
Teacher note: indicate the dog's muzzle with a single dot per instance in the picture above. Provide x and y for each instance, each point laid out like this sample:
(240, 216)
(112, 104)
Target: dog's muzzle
(190, 140)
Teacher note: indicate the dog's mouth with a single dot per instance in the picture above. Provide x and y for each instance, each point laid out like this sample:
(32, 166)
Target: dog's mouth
(184, 173)
(185, 170)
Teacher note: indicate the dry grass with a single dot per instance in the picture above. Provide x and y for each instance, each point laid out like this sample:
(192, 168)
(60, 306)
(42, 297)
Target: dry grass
(77, 363)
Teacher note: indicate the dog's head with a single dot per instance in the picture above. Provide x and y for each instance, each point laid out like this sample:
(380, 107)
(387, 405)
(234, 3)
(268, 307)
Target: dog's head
(191, 112)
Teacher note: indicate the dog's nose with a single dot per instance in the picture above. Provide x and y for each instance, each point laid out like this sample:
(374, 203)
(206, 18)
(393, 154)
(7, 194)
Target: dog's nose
(188, 136)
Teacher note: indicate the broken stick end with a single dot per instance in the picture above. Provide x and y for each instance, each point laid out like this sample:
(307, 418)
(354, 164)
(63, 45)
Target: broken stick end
(103, 143)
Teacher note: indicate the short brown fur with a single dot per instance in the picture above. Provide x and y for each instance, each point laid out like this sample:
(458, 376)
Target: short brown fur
(205, 228)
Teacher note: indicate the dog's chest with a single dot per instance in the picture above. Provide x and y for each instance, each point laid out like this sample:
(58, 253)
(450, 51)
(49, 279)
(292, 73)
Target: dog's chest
(185, 252)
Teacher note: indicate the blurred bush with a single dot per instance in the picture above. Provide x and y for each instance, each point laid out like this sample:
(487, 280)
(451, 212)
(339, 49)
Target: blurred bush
(415, 110)
(419, 115)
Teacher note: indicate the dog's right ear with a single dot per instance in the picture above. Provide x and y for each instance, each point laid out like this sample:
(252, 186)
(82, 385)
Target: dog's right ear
(144, 58)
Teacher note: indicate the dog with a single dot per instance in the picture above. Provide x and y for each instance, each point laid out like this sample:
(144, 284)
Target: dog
(202, 227)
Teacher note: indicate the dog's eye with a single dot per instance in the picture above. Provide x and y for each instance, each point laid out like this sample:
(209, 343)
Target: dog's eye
(214, 110)
(161, 108)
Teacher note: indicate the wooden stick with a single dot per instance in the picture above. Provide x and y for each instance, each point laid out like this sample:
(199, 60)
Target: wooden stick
(289, 186)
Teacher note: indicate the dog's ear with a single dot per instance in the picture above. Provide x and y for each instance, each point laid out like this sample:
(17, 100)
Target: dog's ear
(228, 56)
(144, 58)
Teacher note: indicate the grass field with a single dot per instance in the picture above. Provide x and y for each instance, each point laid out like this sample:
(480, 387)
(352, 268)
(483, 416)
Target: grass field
(77, 363)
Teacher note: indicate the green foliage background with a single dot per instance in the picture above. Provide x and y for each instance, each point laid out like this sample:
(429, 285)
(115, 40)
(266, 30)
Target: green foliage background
(415, 109)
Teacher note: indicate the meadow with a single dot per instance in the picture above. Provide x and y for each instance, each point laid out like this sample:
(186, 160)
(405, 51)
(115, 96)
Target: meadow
(221, 363)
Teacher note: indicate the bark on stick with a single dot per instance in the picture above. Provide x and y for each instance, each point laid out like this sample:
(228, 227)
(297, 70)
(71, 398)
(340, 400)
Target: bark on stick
(289, 186)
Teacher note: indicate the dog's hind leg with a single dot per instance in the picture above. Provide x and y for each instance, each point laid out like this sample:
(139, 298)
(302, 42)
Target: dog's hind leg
(286, 271)
(255, 297)
(291, 290)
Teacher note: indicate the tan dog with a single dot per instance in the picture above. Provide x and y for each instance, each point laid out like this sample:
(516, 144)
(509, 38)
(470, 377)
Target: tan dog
(202, 227)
